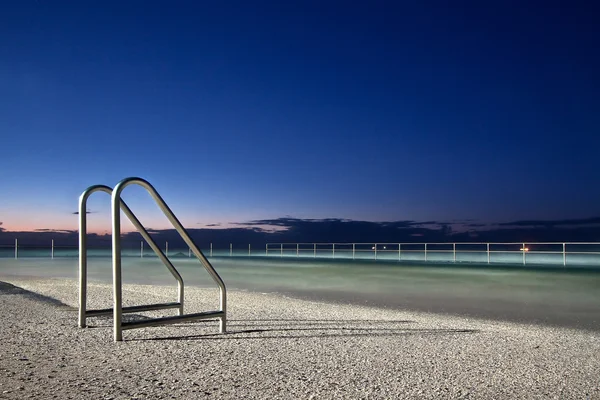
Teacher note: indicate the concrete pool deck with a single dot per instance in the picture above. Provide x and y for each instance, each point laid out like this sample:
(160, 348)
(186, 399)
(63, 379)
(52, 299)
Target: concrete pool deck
(280, 347)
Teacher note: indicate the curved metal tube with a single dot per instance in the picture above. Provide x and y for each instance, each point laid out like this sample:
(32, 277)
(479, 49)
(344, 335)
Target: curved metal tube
(83, 249)
(116, 235)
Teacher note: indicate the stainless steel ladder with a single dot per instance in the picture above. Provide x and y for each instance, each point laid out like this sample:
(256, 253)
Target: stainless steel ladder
(117, 205)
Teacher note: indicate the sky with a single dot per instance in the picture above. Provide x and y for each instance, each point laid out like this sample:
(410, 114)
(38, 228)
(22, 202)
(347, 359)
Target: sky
(248, 111)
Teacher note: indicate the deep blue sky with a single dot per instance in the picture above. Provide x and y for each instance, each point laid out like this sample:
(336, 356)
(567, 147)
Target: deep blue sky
(377, 111)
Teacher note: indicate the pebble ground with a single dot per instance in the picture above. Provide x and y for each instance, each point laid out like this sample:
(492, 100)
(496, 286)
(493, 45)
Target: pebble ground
(279, 348)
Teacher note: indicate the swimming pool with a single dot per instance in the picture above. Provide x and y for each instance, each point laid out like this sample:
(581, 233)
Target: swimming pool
(556, 297)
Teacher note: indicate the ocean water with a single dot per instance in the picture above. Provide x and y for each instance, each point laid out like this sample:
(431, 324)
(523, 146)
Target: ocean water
(554, 296)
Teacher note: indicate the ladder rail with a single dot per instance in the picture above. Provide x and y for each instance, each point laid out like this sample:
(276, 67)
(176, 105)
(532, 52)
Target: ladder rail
(83, 250)
(116, 205)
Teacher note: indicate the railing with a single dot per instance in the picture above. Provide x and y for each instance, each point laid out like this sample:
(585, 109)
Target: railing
(119, 205)
(568, 253)
(536, 253)
(52, 250)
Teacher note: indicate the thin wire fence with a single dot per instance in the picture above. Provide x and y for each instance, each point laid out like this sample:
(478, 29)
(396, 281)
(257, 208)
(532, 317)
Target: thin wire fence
(553, 254)
(141, 249)
(568, 253)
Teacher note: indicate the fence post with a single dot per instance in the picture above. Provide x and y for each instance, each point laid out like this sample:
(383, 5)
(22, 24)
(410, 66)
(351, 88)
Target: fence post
(425, 251)
(211, 249)
(189, 252)
(315, 250)
(333, 250)
(141, 249)
(52, 252)
(564, 254)
(353, 250)
(454, 252)
(488, 252)
(16, 249)
(266, 249)
(230, 249)
(399, 252)
(524, 262)
(375, 248)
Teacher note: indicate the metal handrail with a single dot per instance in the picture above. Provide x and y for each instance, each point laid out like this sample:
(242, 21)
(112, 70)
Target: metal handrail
(119, 205)
(116, 236)
(83, 313)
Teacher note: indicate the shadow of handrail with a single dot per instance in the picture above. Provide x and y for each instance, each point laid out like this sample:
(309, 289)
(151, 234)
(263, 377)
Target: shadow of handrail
(277, 329)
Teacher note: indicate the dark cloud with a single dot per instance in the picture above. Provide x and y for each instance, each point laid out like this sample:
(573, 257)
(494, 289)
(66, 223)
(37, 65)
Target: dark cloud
(549, 223)
(54, 230)
(87, 212)
(212, 224)
(346, 230)
(295, 223)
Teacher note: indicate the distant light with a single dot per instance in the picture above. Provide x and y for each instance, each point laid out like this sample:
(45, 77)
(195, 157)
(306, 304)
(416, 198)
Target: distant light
(524, 249)
(373, 248)
(384, 247)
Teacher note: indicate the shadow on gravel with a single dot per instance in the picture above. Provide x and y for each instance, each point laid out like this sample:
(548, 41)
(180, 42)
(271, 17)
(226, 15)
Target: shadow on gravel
(243, 322)
(311, 329)
(8, 289)
(104, 321)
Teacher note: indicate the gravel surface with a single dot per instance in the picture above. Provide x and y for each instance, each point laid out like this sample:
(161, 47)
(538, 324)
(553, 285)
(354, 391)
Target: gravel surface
(279, 348)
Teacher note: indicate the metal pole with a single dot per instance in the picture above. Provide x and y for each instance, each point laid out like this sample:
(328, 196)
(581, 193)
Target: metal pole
(399, 252)
(524, 254)
(488, 252)
(315, 250)
(16, 249)
(82, 263)
(230, 249)
(266, 249)
(353, 250)
(375, 248)
(116, 256)
(297, 249)
(564, 254)
(141, 249)
(211, 249)
(425, 251)
(189, 252)
(454, 251)
(281, 249)
(249, 251)
(333, 250)
(52, 252)
(167, 249)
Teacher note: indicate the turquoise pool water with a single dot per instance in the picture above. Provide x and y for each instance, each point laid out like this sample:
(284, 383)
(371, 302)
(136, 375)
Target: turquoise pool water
(551, 296)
